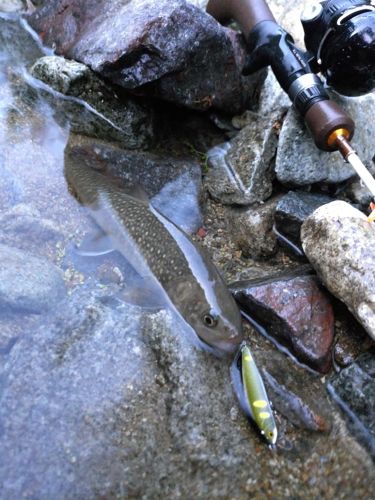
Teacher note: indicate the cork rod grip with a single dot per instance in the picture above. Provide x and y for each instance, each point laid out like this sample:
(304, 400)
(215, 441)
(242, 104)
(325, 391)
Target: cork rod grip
(324, 118)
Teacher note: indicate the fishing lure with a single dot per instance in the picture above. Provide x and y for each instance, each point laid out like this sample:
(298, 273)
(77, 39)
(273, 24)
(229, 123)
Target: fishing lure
(251, 393)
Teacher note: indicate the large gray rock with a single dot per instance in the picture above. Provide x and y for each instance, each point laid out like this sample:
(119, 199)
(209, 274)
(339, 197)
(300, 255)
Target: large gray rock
(170, 49)
(91, 106)
(28, 284)
(241, 171)
(299, 162)
(339, 242)
(108, 400)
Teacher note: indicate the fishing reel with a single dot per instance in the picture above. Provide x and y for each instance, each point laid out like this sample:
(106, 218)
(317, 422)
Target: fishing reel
(341, 36)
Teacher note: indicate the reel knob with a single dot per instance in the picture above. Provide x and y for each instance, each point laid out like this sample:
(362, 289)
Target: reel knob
(341, 36)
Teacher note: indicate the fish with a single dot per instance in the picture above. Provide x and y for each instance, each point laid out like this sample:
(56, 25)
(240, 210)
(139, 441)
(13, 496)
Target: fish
(161, 253)
(252, 394)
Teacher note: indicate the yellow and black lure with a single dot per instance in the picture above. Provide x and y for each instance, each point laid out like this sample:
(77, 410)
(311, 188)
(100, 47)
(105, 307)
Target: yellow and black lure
(251, 393)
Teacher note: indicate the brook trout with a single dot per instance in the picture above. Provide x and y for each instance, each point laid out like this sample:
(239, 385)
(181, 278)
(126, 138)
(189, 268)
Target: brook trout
(160, 251)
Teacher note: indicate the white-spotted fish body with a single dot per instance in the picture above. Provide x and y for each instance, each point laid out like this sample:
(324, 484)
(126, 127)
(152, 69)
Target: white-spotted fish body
(160, 251)
(252, 395)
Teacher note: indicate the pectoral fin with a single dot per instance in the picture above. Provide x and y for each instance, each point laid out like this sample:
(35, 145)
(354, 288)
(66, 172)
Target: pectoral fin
(95, 244)
(145, 293)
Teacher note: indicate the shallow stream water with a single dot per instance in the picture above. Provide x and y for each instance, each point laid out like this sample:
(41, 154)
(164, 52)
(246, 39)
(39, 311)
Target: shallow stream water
(102, 398)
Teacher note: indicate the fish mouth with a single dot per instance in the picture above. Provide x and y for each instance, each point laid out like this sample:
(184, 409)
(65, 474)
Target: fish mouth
(220, 348)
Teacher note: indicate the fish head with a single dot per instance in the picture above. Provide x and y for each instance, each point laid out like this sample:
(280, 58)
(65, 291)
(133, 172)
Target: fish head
(214, 316)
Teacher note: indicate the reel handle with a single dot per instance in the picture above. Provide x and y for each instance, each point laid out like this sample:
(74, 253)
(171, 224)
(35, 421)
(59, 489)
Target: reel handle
(270, 45)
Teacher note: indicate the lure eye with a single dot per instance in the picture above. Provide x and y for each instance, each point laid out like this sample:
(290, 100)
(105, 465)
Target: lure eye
(209, 320)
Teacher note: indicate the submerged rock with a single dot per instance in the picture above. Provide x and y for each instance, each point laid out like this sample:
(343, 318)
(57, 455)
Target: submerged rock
(293, 209)
(252, 230)
(28, 284)
(293, 310)
(353, 389)
(299, 162)
(174, 185)
(241, 171)
(91, 106)
(10, 5)
(339, 243)
(111, 400)
(25, 227)
(170, 49)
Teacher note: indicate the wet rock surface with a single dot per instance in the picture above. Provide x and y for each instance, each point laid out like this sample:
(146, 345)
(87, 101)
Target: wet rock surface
(28, 284)
(145, 396)
(303, 401)
(299, 162)
(241, 171)
(293, 209)
(94, 109)
(338, 241)
(295, 311)
(354, 390)
(173, 185)
(163, 52)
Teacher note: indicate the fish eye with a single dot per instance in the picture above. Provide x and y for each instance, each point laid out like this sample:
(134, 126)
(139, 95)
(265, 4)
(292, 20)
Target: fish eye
(210, 320)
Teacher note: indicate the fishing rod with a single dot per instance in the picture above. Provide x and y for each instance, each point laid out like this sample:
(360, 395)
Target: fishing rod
(340, 42)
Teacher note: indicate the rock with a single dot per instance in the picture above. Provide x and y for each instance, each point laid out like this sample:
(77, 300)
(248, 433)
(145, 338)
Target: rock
(293, 310)
(91, 106)
(252, 230)
(26, 228)
(292, 210)
(10, 5)
(28, 284)
(358, 193)
(171, 49)
(112, 400)
(351, 339)
(293, 407)
(273, 103)
(299, 162)
(241, 171)
(295, 393)
(353, 389)
(339, 241)
(174, 185)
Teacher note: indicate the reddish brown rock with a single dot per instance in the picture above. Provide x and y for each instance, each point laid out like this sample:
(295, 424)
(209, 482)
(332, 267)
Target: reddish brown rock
(296, 312)
(168, 49)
